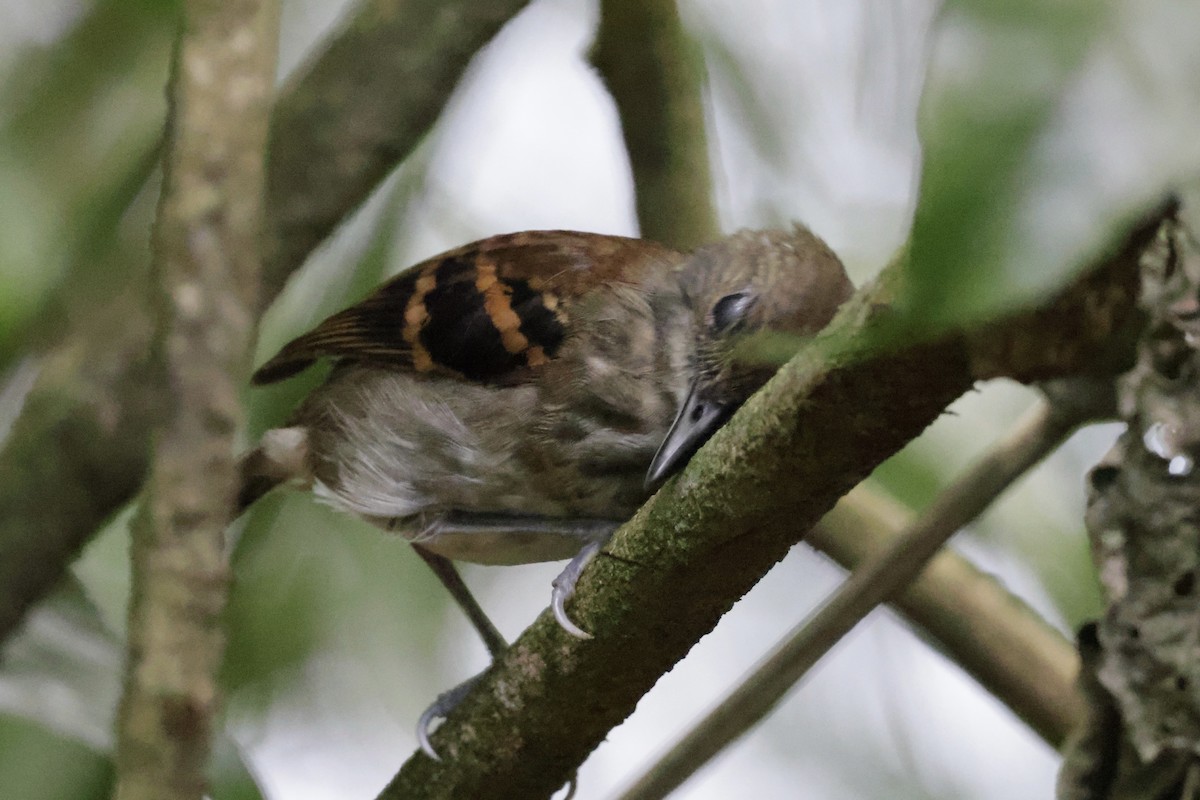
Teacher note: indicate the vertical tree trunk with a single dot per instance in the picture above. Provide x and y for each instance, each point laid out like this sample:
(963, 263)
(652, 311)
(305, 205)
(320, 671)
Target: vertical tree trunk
(207, 261)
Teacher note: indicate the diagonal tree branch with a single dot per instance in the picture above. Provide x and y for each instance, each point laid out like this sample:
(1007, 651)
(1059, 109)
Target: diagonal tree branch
(969, 616)
(207, 260)
(1015, 664)
(80, 449)
(359, 109)
(76, 454)
(848, 400)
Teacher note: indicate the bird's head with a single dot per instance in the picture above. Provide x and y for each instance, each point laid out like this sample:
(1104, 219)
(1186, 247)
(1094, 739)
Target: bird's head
(744, 290)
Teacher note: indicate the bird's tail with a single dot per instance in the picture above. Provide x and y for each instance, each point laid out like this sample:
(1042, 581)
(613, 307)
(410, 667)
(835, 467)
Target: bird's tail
(280, 457)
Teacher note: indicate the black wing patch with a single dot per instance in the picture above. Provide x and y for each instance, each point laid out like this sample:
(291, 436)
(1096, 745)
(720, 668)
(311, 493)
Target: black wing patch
(462, 314)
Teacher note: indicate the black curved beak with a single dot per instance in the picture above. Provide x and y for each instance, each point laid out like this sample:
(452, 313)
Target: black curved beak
(697, 420)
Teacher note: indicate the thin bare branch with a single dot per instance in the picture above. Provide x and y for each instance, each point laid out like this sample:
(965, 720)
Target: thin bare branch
(973, 620)
(207, 258)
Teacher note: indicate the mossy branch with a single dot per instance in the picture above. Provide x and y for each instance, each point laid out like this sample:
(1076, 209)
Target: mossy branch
(847, 401)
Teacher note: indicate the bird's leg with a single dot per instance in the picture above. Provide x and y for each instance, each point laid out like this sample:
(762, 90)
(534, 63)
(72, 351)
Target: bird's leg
(446, 701)
(448, 575)
(593, 534)
(589, 534)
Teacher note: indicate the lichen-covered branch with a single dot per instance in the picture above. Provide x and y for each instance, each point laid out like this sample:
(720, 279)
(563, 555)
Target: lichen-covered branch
(832, 414)
(654, 74)
(80, 449)
(207, 260)
(1007, 647)
(1143, 738)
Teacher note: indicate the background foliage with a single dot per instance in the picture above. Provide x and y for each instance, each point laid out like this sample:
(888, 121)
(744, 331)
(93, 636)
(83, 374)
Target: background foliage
(1044, 126)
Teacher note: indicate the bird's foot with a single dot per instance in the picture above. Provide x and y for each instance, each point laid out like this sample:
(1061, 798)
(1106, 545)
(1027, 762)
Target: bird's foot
(445, 703)
(564, 588)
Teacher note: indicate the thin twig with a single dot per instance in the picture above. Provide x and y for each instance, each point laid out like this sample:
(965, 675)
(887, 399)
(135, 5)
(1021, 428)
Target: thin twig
(207, 258)
(972, 619)
(877, 579)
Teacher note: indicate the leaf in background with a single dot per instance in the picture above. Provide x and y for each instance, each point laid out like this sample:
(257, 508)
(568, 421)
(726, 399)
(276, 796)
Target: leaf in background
(1046, 126)
(230, 776)
(998, 71)
(103, 569)
(275, 605)
(79, 124)
(812, 109)
(36, 764)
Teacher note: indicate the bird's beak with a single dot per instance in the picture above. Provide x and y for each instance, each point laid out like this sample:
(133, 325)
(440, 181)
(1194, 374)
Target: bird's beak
(695, 422)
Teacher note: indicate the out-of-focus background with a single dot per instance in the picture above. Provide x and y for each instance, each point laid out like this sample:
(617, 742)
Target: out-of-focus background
(339, 636)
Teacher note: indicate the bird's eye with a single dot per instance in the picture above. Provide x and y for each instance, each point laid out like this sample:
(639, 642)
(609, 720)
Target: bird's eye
(730, 311)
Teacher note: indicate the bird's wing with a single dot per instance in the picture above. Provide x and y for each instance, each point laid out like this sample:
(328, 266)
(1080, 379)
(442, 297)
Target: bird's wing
(490, 311)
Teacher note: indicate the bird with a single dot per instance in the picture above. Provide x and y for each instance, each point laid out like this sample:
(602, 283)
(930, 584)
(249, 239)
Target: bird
(516, 399)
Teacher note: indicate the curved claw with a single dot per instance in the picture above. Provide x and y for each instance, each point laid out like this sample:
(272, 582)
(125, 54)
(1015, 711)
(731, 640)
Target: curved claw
(572, 785)
(564, 589)
(445, 703)
(423, 724)
(558, 602)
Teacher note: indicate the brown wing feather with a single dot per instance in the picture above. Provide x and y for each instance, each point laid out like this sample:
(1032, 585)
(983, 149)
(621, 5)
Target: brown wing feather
(488, 311)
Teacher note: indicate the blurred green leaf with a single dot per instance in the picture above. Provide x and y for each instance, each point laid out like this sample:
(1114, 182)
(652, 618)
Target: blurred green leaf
(36, 764)
(80, 122)
(910, 477)
(275, 605)
(230, 776)
(103, 571)
(1000, 71)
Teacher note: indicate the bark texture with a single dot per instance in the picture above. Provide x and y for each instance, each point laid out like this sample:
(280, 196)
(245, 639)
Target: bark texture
(207, 260)
(1142, 659)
